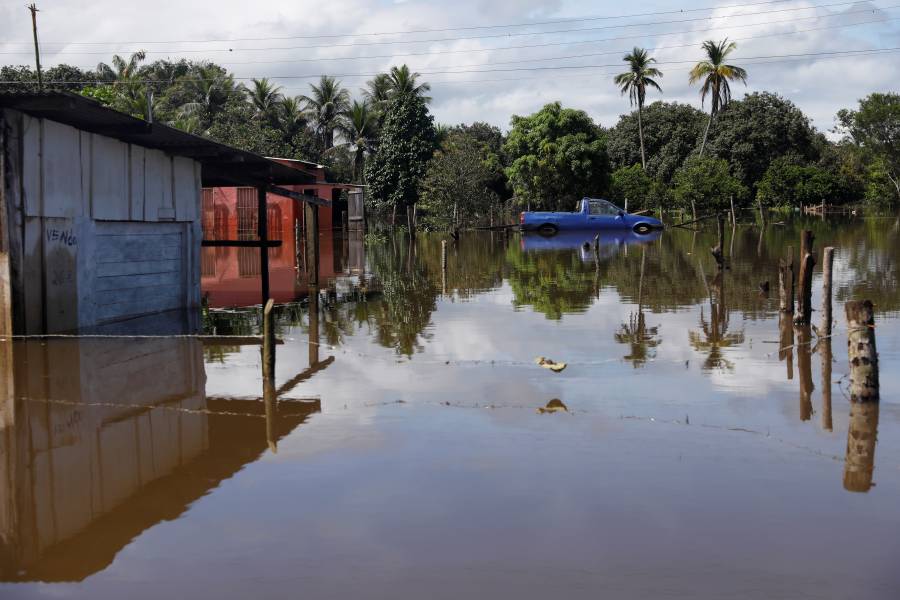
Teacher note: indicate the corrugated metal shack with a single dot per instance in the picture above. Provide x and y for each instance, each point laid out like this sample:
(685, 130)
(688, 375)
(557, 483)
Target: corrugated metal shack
(100, 212)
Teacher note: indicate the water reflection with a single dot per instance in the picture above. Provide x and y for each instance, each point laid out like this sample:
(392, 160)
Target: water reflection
(714, 337)
(97, 447)
(861, 439)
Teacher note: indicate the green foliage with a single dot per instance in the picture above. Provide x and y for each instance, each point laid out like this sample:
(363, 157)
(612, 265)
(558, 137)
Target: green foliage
(752, 132)
(639, 188)
(104, 94)
(456, 190)
(671, 133)
(704, 184)
(406, 143)
(788, 184)
(874, 129)
(557, 156)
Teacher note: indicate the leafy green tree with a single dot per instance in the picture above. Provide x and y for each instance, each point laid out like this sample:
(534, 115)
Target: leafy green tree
(875, 130)
(705, 183)
(406, 143)
(671, 132)
(788, 184)
(634, 184)
(635, 82)
(753, 132)
(456, 189)
(557, 156)
(327, 104)
(715, 75)
(489, 139)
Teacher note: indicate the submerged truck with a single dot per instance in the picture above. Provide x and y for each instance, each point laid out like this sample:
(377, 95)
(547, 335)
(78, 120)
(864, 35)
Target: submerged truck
(591, 214)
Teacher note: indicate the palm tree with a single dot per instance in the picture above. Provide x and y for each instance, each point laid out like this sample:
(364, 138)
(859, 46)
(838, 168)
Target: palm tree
(404, 81)
(291, 117)
(378, 91)
(327, 104)
(265, 97)
(635, 82)
(211, 87)
(716, 74)
(360, 130)
(121, 69)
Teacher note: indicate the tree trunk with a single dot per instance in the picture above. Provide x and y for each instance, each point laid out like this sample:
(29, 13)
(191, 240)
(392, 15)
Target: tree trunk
(705, 133)
(641, 136)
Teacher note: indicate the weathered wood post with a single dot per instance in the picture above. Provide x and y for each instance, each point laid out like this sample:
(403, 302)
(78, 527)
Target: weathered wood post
(262, 232)
(312, 243)
(807, 261)
(268, 342)
(864, 396)
(825, 355)
(733, 215)
(786, 283)
(827, 268)
(804, 370)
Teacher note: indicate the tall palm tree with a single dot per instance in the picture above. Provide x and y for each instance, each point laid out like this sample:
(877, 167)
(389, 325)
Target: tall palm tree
(716, 75)
(404, 81)
(327, 104)
(635, 82)
(360, 131)
(211, 87)
(378, 91)
(121, 69)
(265, 97)
(291, 117)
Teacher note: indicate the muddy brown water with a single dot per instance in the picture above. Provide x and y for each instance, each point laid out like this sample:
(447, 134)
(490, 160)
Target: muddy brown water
(416, 450)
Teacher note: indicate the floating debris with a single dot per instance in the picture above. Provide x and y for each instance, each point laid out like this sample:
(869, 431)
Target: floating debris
(554, 366)
(555, 405)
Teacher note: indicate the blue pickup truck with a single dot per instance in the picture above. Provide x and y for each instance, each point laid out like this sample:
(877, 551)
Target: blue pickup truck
(592, 214)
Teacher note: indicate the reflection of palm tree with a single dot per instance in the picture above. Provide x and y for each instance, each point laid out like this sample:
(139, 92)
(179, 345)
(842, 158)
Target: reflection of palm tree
(715, 336)
(643, 339)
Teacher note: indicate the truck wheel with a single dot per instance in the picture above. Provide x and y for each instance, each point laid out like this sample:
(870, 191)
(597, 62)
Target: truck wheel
(548, 229)
(642, 228)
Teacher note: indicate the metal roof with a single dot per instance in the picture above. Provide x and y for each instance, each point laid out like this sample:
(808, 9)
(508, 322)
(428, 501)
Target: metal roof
(221, 165)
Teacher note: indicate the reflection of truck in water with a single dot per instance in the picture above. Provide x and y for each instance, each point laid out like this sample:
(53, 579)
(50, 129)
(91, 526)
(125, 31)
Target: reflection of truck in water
(591, 214)
(611, 242)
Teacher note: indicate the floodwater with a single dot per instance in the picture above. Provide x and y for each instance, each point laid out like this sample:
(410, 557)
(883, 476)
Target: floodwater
(695, 445)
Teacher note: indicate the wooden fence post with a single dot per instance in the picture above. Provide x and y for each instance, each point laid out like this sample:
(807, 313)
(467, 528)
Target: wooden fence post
(733, 214)
(807, 261)
(268, 341)
(827, 268)
(312, 243)
(864, 396)
(444, 266)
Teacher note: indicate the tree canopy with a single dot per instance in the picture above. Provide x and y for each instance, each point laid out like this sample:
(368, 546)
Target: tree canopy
(557, 156)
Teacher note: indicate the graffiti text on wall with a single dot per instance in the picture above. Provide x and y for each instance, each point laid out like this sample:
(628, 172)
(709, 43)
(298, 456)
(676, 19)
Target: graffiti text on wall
(65, 237)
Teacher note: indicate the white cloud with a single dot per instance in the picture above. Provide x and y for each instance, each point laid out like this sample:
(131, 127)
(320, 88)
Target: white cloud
(819, 85)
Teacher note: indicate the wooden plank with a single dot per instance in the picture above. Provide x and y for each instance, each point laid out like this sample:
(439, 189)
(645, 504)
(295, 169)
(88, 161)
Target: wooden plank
(309, 199)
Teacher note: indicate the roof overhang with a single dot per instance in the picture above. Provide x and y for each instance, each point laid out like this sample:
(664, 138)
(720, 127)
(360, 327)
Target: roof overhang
(221, 165)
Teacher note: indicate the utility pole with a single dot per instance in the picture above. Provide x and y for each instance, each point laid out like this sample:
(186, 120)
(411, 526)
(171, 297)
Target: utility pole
(37, 53)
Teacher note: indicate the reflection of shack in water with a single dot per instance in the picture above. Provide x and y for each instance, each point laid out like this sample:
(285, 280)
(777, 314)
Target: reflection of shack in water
(102, 439)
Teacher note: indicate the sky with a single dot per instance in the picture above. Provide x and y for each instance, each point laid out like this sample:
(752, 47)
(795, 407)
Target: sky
(488, 60)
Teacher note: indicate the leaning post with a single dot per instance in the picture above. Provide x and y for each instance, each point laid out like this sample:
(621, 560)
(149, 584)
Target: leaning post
(807, 261)
(262, 232)
(827, 268)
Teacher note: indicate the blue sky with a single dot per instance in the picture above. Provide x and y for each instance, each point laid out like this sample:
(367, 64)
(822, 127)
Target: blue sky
(489, 73)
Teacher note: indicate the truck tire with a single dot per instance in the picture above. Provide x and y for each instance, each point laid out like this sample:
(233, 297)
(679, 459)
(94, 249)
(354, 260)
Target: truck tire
(548, 229)
(642, 228)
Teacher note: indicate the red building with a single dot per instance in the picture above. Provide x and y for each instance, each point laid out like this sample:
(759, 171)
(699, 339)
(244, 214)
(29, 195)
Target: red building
(230, 276)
